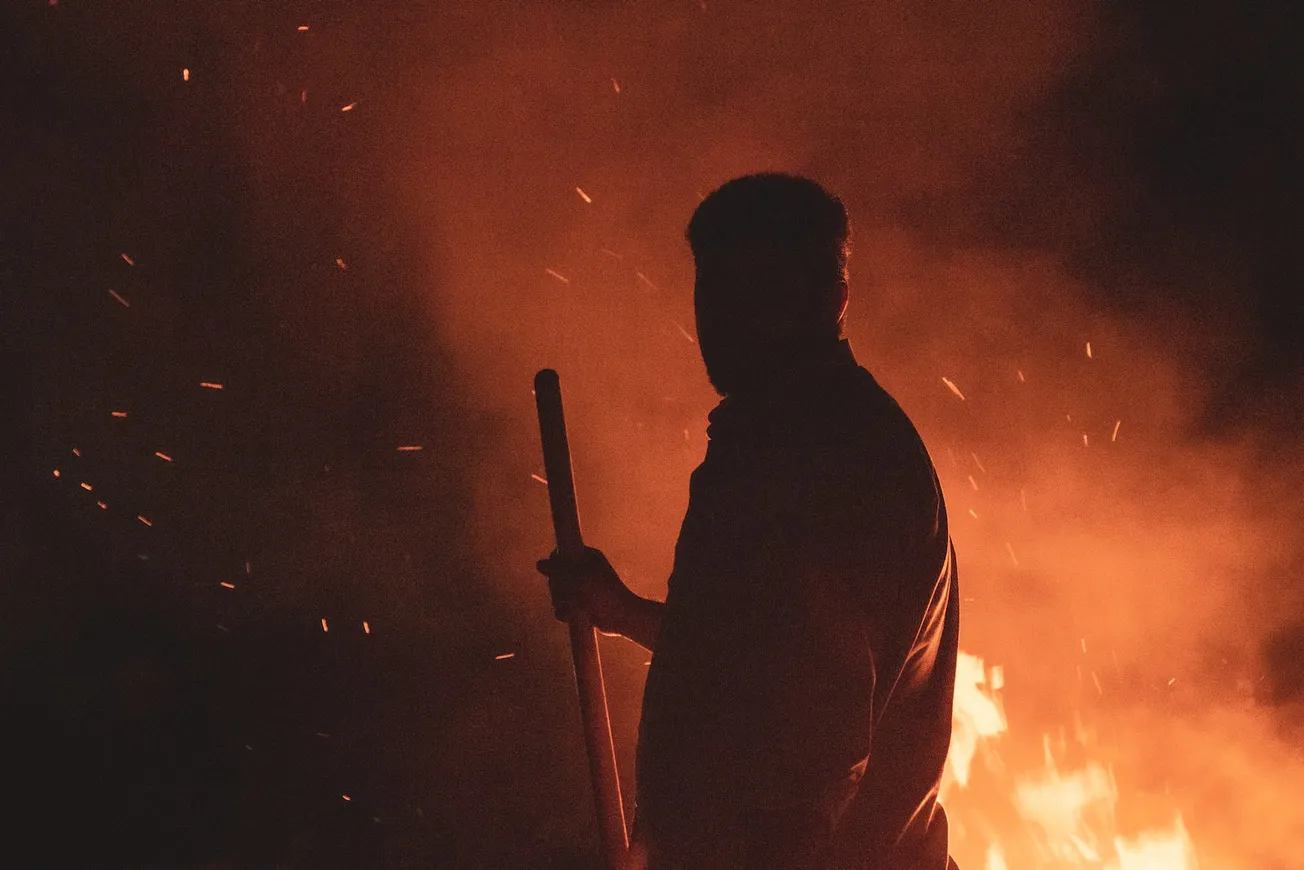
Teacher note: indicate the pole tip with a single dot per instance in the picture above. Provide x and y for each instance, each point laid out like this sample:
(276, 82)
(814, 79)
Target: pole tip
(546, 379)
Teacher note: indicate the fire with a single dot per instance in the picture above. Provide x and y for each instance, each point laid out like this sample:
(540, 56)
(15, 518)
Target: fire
(1061, 818)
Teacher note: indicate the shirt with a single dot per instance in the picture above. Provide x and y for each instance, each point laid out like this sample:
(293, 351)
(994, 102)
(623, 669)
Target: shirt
(797, 711)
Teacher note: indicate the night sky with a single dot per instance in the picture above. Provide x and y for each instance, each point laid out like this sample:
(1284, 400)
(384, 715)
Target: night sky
(289, 218)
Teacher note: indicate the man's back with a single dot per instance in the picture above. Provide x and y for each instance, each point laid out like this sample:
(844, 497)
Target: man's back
(797, 710)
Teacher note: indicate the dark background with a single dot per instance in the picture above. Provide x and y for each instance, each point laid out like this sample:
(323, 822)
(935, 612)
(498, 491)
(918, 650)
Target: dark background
(154, 718)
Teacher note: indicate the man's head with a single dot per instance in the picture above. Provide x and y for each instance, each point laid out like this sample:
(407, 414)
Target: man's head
(771, 254)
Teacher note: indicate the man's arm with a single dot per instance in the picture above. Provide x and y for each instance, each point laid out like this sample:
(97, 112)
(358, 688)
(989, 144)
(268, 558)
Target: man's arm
(640, 621)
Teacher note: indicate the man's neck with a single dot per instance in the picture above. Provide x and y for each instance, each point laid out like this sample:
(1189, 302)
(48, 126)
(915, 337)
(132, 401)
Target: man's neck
(785, 369)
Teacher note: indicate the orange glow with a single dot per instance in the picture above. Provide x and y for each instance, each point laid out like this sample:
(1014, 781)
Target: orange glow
(163, 456)
(56, 473)
(348, 108)
(504, 656)
(144, 520)
(584, 196)
(119, 413)
(953, 388)
(209, 385)
(185, 75)
(366, 627)
(410, 448)
(86, 486)
(227, 585)
(324, 626)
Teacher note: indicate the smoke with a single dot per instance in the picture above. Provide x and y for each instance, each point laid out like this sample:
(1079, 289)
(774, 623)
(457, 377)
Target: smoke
(508, 191)
(1113, 558)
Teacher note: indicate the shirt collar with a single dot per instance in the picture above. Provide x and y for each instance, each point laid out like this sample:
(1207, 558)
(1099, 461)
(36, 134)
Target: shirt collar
(740, 412)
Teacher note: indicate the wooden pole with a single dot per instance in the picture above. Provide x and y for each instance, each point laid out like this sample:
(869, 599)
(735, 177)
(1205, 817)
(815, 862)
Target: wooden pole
(583, 637)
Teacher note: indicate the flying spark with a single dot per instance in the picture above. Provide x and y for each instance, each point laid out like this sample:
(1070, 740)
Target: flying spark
(646, 280)
(584, 196)
(102, 505)
(339, 261)
(410, 448)
(1019, 372)
(366, 627)
(185, 75)
(1013, 558)
(348, 108)
(615, 85)
(560, 277)
(685, 333)
(128, 260)
(346, 797)
(144, 520)
(303, 28)
(1088, 350)
(540, 478)
(324, 626)
(978, 462)
(973, 483)
(210, 385)
(118, 413)
(56, 472)
(1084, 439)
(118, 296)
(227, 585)
(76, 452)
(504, 656)
(953, 388)
(1114, 437)
(162, 456)
(86, 486)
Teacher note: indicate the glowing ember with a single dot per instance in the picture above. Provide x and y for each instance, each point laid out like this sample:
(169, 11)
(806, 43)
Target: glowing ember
(339, 261)
(126, 259)
(56, 472)
(1088, 350)
(324, 626)
(86, 486)
(410, 448)
(499, 658)
(348, 108)
(584, 196)
(210, 385)
(118, 296)
(185, 75)
(163, 456)
(953, 388)
(1114, 437)
(615, 85)
(540, 478)
(102, 505)
(144, 520)
(226, 585)
(560, 277)
(366, 627)
(118, 413)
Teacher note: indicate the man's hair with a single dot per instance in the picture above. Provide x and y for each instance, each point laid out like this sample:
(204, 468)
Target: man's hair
(785, 212)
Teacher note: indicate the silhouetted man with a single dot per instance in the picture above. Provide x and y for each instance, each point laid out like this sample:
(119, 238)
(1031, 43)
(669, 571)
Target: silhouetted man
(797, 712)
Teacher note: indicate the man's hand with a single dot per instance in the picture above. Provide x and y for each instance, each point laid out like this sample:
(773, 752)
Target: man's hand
(588, 585)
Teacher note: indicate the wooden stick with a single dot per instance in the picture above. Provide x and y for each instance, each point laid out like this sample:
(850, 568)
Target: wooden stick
(583, 637)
